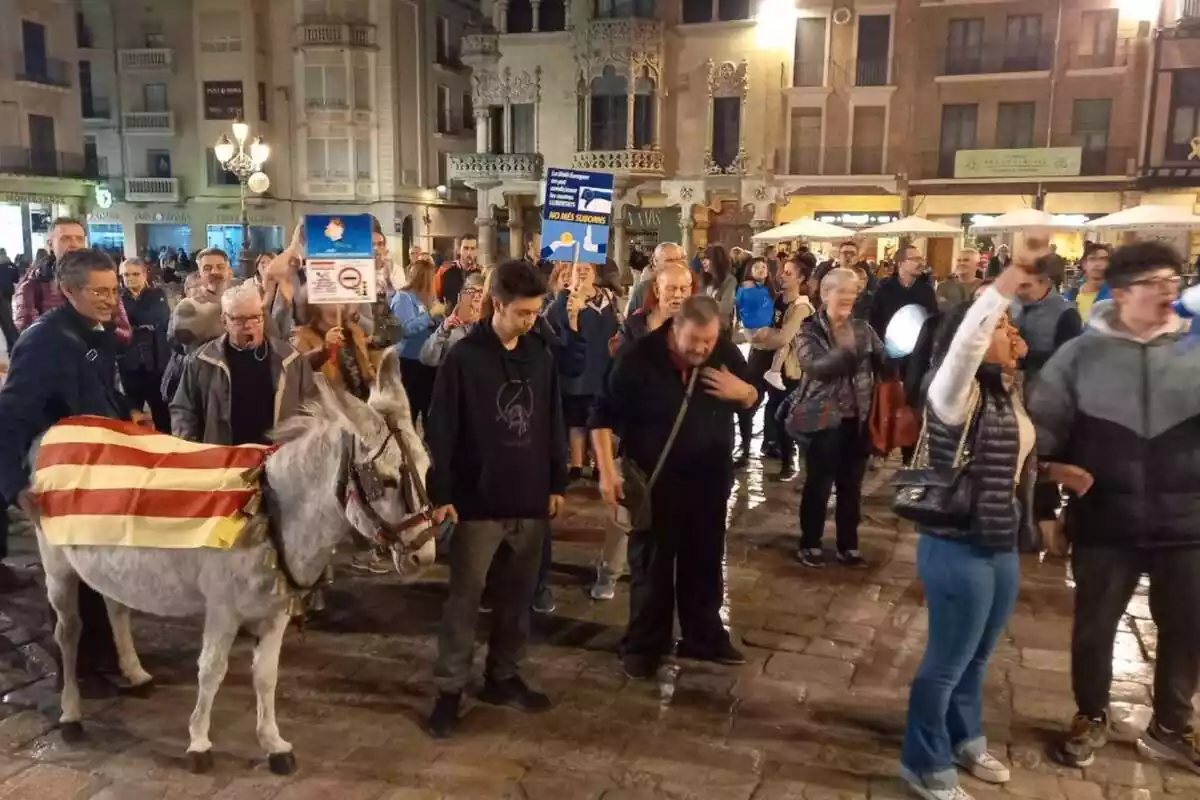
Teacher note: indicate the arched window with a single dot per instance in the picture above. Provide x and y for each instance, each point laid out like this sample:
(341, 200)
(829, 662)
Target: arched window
(610, 111)
(552, 15)
(520, 16)
(643, 112)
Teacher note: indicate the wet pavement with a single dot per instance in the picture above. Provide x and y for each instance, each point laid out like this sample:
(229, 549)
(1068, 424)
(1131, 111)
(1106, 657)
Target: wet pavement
(817, 712)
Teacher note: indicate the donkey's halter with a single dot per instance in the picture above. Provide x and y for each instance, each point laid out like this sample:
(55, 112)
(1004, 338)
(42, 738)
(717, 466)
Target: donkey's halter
(367, 483)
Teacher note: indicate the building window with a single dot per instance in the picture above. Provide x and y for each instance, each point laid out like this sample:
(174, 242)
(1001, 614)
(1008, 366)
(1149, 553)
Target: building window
(520, 16)
(262, 101)
(809, 65)
(523, 121)
(610, 111)
(1089, 129)
(33, 41)
(726, 132)
(217, 174)
(335, 10)
(443, 110)
(441, 41)
(154, 97)
(362, 158)
(728, 10)
(496, 121)
(1023, 44)
(91, 159)
(1097, 46)
(624, 9)
(362, 82)
(443, 168)
(697, 10)
(158, 163)
(86, 97)
(958, 133)
(804, 151)
(866, 153)
(83, 34)
(468, 112)
(552, 16)
(220, 31)
(874, 41)
(643, 112)
(329, 159)
(1185, 113)
(1014, 125)
(325, 84)
(964, 47)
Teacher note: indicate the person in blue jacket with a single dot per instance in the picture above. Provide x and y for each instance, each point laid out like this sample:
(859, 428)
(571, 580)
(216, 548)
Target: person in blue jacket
(585, 318)
(419, 313)
(1094, 288)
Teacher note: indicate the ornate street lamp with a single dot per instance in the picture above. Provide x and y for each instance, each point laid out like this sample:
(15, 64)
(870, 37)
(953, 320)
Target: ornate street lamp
(246, 164)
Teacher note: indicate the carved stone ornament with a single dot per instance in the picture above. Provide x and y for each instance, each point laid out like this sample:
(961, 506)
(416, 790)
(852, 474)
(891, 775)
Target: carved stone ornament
(627, 45)
(683, 193)
(727, 79)
(508, 86)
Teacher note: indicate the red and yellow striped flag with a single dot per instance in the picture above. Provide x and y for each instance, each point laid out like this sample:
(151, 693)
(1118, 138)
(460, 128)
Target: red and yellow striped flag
(100, 481)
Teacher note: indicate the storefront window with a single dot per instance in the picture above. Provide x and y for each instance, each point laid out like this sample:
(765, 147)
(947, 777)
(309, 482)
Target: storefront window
(229, 238)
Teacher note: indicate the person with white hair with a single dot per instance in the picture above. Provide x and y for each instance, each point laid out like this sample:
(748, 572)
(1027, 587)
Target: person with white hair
(665, 253)
(242, 384)
(840, 357)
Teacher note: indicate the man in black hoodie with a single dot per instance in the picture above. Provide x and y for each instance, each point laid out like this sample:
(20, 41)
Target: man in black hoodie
(498, 444)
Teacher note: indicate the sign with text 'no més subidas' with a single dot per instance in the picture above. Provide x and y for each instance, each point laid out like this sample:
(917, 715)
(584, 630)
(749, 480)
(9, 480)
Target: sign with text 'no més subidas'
(576, 215)
(340, 265)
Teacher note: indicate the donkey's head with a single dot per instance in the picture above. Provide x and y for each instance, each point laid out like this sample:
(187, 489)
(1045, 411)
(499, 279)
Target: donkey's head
(381, 481)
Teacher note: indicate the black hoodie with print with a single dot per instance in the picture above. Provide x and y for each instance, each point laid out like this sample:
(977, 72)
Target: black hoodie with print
(495, 430)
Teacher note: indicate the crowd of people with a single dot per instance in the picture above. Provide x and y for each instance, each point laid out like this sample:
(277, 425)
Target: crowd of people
(527, 377)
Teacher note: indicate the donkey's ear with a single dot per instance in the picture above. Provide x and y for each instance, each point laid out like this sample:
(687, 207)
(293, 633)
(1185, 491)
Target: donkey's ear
(387, 395)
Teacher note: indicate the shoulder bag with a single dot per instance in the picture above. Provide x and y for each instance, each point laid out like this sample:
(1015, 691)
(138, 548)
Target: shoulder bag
(636, 486)
(938, 497)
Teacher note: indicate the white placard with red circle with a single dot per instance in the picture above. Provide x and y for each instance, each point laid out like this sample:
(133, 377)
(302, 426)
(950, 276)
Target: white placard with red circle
(341, 280)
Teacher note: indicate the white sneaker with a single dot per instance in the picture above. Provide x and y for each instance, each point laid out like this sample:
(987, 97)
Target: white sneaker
(928, 793)
(984, 766)
(605, 587)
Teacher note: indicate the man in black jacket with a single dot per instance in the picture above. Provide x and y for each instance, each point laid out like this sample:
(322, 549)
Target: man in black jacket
(143, 362)
(907, 287)
(498, 445)
(1117, 412)
(10, 276)
(678, 560)
(66, 364)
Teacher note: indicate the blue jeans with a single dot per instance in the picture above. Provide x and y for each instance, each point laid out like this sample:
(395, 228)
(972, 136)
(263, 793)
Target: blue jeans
(971, 593)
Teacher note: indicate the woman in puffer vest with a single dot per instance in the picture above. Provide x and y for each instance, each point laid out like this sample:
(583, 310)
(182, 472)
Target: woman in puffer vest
(970, 572)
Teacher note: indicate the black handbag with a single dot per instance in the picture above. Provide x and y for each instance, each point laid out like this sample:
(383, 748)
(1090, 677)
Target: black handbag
(635, 486)
(937, 497)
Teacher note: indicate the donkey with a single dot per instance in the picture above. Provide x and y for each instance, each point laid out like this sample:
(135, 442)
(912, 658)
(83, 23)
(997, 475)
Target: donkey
(317, 479)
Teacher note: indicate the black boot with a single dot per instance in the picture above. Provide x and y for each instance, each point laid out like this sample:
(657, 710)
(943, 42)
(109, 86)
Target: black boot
(514, 692)
(444, 718)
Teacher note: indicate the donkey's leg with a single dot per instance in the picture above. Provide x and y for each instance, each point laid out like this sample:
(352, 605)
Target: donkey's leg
(220, 628)
(62, 589)
(266, 671)
(131, 665)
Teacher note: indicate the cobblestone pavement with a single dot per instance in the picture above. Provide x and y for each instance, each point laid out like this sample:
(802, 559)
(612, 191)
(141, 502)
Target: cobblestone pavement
(817, 713)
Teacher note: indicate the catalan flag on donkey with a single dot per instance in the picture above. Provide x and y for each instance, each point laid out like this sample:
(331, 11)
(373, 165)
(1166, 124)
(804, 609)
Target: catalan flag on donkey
(100, 481)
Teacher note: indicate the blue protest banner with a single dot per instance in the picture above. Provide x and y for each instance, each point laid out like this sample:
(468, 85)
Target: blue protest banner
(576, 215)
(337, 235)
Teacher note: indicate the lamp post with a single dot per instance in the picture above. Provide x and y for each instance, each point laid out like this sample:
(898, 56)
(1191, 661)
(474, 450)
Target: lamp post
(246, 164)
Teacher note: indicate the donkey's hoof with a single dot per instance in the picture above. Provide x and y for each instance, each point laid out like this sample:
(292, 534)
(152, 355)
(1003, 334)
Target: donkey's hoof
(72, 732)
(139, 690)
(199, 762)
(282, 763)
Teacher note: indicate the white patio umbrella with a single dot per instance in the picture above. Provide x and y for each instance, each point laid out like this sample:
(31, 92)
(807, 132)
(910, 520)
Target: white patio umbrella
(804, 228)
(1149, 217)
(912, 226)
(1027, 219)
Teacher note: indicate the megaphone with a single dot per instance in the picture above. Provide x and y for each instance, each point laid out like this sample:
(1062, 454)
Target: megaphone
(904, 330)
(1188, 304)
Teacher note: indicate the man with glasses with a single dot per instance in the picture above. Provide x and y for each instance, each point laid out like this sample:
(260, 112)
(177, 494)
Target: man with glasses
(66, 365)
(239, 386)
(1117, 413)
(868, 284)
(1093, 289)
(39, 292)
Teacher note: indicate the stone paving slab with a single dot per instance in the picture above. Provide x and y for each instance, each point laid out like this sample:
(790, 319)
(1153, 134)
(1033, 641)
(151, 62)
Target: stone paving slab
(817, 713)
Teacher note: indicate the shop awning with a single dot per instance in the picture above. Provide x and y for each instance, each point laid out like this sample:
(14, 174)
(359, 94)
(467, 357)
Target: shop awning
(804, 228)
(1149, 217)
(912, 226)
(1027, 219)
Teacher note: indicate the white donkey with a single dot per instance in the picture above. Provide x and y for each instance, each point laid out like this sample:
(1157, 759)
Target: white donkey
(341, 466)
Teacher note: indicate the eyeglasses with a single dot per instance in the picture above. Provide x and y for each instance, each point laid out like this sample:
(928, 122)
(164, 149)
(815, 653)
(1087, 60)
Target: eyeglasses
(1161, 282)
(256, 319)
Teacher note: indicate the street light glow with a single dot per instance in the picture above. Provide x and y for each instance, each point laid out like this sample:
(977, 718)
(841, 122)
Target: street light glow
(240, 130)
(224, 149)
(1138, 10)
(776, 21)
(260, 151)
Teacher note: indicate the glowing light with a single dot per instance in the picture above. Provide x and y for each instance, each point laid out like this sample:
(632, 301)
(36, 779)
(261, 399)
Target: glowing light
(1138, 10)
(260, 151)
(776, 23)
(224, 149)
(240, 130)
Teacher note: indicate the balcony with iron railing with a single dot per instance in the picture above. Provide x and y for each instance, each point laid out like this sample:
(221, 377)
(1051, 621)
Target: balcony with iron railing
(995, 58)
(146, 59)
(152, 190)
(633, 163)
(808, 72)
(872, 71)
(45, 163)
(148, 122)
(52, 72)
(95, 167)
(97, 110)
(1101, 55)
(495, 167)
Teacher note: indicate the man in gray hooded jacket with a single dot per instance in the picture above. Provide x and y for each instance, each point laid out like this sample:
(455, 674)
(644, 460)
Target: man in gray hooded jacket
(1117, 412)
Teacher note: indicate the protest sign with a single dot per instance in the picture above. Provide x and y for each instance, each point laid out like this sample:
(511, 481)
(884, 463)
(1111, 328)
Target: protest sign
(340, 265)
(576, 215)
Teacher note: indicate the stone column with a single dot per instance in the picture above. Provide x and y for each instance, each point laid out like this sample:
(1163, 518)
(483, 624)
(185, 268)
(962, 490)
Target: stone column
(618, 249)
(758, 226)
(516, 227)
(507, 128)
(483, 129)
(537, 7)
(686, 223)
(487, 240)
(500, 16)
